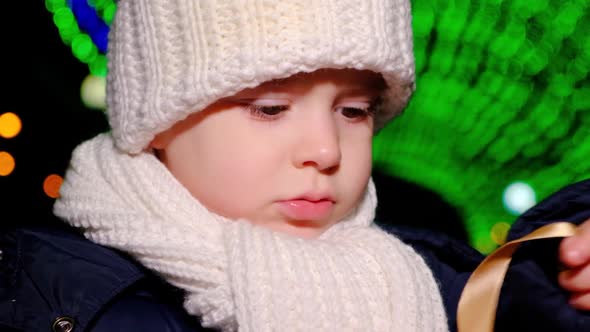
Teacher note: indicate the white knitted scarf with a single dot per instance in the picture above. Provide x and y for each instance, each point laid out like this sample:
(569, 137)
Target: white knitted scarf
(237, 276)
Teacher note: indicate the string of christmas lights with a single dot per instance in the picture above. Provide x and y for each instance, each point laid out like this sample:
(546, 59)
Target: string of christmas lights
(84, 25)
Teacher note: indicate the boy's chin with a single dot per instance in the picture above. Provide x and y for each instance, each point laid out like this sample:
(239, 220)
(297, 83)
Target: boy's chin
(300, 228)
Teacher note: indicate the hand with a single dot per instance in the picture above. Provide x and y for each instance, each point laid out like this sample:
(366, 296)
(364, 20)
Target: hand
(574, 253)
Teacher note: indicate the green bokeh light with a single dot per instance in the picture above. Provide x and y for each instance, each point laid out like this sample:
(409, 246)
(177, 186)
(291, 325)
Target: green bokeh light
(84, 48)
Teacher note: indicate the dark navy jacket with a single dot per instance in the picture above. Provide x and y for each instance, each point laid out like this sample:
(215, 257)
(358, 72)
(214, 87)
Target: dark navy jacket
(56, 280)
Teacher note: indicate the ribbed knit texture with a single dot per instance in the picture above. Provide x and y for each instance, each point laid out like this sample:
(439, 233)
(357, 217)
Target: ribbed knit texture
(354, 277)
(170, 58)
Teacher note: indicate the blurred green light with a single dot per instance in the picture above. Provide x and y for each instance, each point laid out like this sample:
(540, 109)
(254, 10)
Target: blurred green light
(561, 85)
(509, 41)
(98, 66)
(109, 12)
(479, 30)
(581, 99)
(53, 5)
(64, 18)
(537, 59)
(422, 19)
(83, 48)
(567, 18)
(98, 4)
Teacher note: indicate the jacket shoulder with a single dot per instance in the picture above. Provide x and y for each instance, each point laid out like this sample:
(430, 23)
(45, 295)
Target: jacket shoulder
(531, 297)
(48, 273)
(146, 307)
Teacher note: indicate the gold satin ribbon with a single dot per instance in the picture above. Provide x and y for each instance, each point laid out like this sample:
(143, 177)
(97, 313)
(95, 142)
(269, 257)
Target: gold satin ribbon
(479, 299)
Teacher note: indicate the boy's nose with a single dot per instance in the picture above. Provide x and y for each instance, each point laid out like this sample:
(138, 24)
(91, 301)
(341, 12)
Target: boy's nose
(318, 147)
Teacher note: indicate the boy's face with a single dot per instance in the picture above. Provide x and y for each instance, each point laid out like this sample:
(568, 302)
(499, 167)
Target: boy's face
(292, 155)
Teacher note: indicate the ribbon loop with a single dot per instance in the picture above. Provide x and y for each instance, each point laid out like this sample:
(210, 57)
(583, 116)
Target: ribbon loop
(479, 299)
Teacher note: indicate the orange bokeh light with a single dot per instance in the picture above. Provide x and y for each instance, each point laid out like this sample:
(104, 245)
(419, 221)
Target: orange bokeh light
(52, 184)
(6, 163)
(10, 125)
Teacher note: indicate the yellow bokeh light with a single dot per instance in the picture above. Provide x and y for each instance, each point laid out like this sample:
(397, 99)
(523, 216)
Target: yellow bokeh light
(51, 185)
(499, 232)
(485, 245)
(6, 163)
(10, 125)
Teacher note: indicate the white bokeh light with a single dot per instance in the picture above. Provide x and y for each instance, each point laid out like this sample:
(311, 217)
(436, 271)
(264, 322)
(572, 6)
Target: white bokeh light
(519, 197)
(93, 92)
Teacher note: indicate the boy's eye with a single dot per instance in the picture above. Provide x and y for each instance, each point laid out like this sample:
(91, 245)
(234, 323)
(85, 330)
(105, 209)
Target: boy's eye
(269, 110)
(266, 112)
(355, 113)
(359, 110)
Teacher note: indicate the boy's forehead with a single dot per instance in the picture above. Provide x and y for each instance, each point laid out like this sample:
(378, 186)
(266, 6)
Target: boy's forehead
(351, 79)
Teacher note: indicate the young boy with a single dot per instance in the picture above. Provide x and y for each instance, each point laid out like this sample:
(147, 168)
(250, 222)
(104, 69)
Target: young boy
(234, 191)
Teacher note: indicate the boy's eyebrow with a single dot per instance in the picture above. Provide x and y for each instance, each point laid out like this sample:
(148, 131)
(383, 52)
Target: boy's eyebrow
(371, 85)
(349, 90)
(277, 85)
(363, 90)
(361, 87)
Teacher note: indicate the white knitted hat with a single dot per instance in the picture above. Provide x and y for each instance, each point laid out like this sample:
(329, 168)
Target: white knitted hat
(171, 58)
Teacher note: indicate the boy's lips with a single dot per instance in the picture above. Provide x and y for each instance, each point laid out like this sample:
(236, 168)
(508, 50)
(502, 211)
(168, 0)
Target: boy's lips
(303, 208)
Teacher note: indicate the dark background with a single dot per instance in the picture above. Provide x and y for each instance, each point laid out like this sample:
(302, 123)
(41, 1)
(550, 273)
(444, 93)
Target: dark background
(43, 80)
